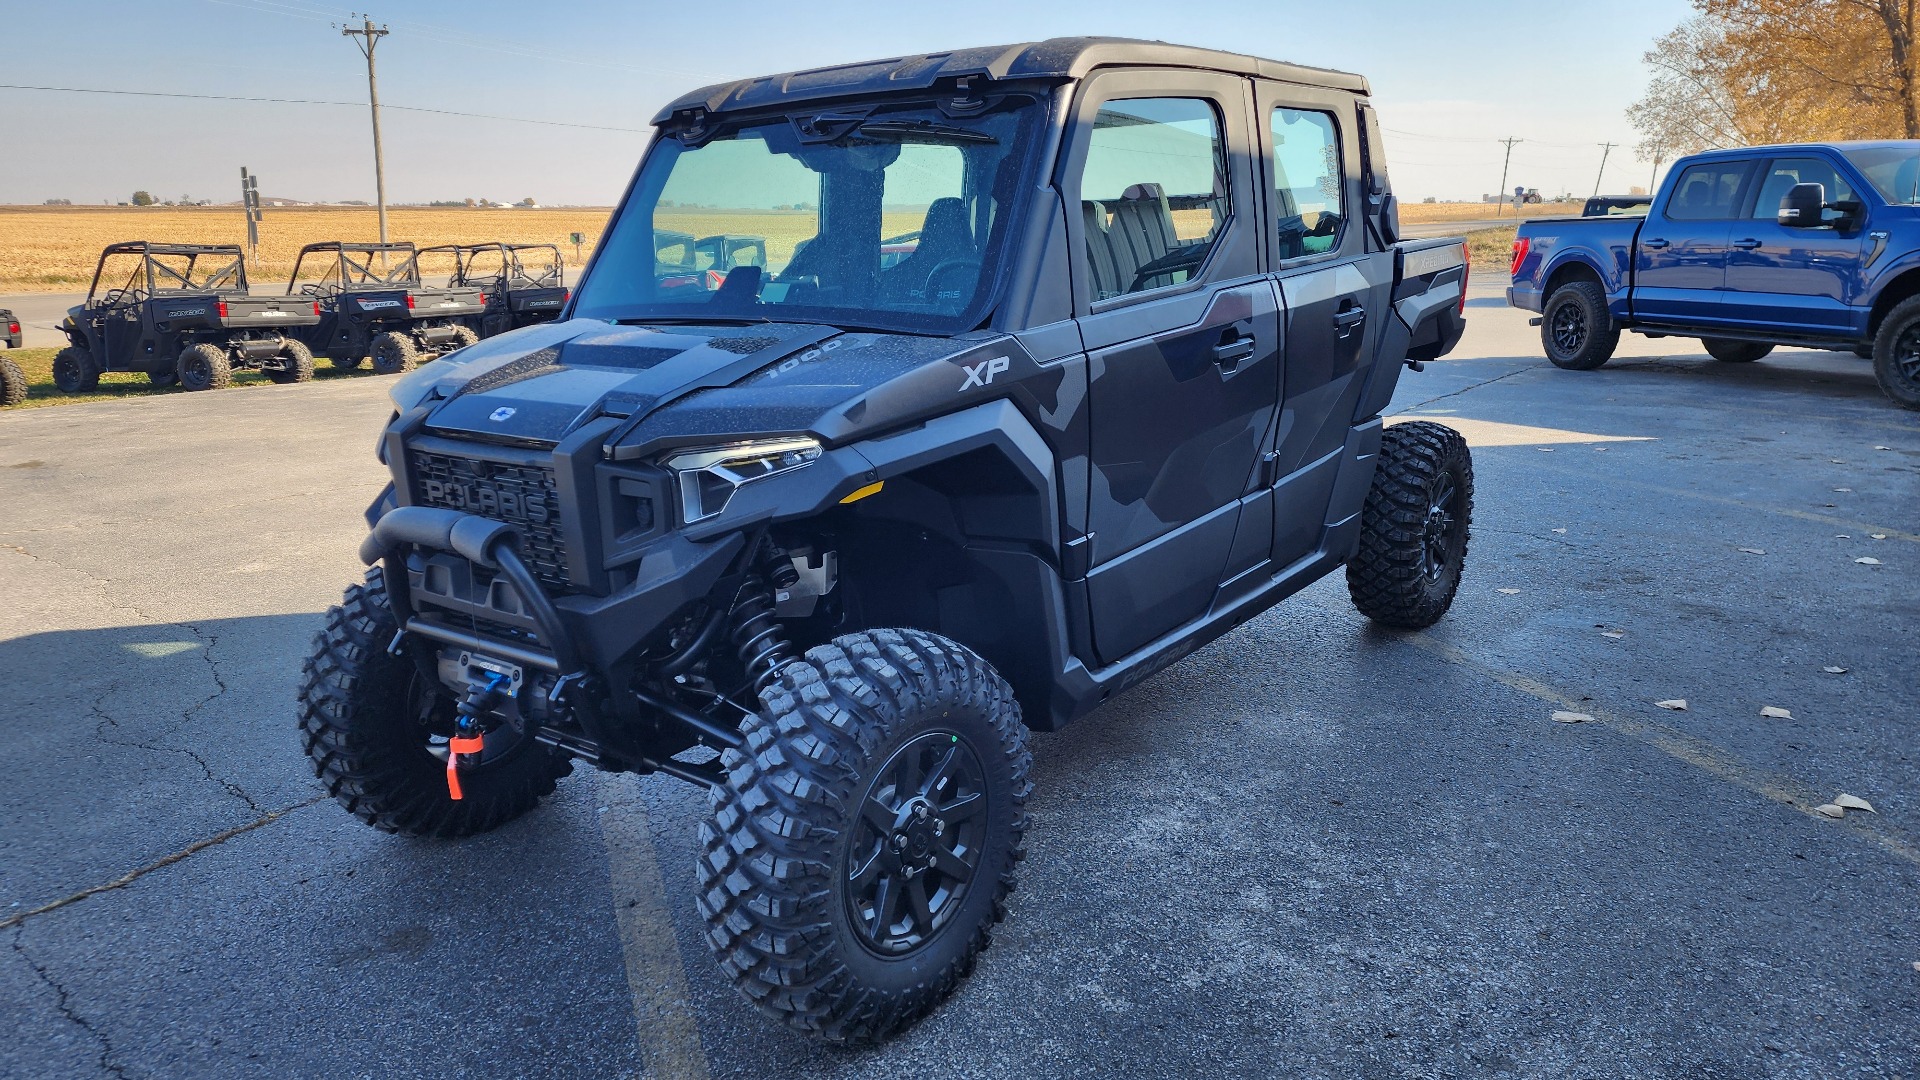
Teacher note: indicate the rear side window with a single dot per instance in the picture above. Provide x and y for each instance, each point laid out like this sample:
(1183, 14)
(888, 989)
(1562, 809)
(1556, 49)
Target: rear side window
(1309, 207)
(1786, 172)
(1708, 192)
(1153, 195)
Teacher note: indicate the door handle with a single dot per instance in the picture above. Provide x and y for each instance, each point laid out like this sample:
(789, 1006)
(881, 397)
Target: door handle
(1656, 244)
(1746, 245)
(1346, 322)
(1228, 354)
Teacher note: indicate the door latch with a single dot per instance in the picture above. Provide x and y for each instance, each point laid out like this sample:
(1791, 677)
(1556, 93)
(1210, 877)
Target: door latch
(1346, 322)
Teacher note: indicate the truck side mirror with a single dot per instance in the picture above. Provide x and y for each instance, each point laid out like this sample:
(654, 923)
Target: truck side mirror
(1801, 207)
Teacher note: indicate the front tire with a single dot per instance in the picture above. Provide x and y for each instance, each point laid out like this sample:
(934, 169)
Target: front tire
(1896, 354)
(394, 353)
(1414, 527)
(75, 371)
(298, 364)
(372, 725)
(1729, 351)
(13, 383)
(205, 367)
(1575, 329)
(864, 841)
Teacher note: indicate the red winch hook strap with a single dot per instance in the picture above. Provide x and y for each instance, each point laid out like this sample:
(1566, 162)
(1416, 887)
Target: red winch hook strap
(457, 746)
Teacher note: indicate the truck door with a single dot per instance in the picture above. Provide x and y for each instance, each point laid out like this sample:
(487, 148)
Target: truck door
(1182, 340)
(1680, 259)
(1796, 281)
(1334, 294)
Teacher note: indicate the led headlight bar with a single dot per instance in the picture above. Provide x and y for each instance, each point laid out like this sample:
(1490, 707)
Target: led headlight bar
(709, 477)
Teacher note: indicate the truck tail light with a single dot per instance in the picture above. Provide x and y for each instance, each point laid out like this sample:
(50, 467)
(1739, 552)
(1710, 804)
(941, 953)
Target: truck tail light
(409, 301)
(220, 306)
(1521, 246)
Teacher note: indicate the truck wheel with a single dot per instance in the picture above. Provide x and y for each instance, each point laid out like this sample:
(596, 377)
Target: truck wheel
(1896, 353)
(13, 383)
(205, 367)
(344, 363)
(463, 336)
(299, 364)
(1414, 527)
(74, 371)
(1729, 351)
(376, 730)
(864, 841)
(1575, 328)
(394, 353)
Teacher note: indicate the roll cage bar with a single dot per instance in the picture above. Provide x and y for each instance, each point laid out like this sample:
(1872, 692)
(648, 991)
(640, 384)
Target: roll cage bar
(353, 265)
(160, 277)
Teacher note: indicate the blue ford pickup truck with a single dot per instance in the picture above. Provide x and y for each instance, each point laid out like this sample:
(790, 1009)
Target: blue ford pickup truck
(1809, 245)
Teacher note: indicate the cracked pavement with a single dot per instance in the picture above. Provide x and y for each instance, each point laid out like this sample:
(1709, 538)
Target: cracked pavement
(1310, 849)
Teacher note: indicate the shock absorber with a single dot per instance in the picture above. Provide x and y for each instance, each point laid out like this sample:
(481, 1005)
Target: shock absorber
(757, 636)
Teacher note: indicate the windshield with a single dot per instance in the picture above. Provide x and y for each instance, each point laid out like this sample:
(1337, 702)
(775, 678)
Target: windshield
(883, 217)
(1894, 171)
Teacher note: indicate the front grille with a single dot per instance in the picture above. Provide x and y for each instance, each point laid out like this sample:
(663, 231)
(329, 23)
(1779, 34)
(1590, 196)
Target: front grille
(521, 495)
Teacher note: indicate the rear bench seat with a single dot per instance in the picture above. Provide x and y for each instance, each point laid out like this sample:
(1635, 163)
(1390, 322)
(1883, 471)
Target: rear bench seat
(1126, 234)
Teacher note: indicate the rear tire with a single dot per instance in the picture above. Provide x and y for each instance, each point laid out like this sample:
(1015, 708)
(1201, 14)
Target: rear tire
(75, 371)
(1575, 329)
(205, 367)
(13, 383)
(1414, 527)
(394, 353)
(299, 365)
(1728, 351)
(463, 336)
(368, 723)
(814, 909)
(1896, 353)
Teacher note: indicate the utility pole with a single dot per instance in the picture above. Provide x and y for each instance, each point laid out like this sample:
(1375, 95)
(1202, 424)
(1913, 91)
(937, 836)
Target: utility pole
(366, 38)
(1605, 149)
(1501, 212)
(1654, 179)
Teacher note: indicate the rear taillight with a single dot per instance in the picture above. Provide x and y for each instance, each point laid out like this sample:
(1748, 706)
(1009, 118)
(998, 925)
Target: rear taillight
(221, 307)
(1521, 246)
(316, 307)
(566, 295)
(13, 328)
(409, 301)
(483, 299)
(1466, 275)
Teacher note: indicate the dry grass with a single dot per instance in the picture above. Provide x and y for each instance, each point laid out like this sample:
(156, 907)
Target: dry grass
(1491, 251)
(1421, 213)
(55, 248)
(37, 365)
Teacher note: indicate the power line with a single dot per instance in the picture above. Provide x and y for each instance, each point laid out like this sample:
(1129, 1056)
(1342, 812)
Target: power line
(311, 101)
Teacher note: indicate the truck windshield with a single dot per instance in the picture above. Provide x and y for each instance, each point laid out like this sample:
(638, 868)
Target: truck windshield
(1894, 171)
(886, 217)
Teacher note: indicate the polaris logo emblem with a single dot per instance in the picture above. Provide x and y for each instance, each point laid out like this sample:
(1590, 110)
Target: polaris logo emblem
(369, 305)
(502, 414)
(982, 373)
(186, 312)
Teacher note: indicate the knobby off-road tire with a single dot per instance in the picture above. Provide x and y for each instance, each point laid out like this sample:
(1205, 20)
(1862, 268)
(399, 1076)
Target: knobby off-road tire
(299, 364)
(74, 371)
(1896, 353)
(1414, 527)
(1575, 329)
(365, 720)
(1729, 351)
(13, 383)
(394, 353)
(463, 336)
(801, 841)
(205, 367)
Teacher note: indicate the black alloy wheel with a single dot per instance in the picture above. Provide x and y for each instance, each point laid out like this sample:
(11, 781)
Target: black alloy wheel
(917, 847)
(1896, 353)
(1442, 537)
(1569, 328)
(1576, 330)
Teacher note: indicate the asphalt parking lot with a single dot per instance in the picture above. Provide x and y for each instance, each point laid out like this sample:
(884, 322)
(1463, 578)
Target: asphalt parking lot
(1311, 849)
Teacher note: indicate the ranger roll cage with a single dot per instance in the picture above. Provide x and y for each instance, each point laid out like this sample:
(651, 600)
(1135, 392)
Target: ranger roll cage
(513, 268)
(159, 276)
(353, 265)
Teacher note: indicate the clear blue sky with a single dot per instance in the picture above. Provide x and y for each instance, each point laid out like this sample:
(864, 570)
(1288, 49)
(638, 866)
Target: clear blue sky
(1449, 79)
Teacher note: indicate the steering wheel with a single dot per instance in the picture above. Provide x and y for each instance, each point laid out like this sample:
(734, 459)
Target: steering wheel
(113, 296)
(930, 293)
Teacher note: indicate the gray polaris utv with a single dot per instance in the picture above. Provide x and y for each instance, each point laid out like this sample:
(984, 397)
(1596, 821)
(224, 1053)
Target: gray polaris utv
(13, 381)
(369, 300)
(830, 538)
(180, 313)
(520, 284)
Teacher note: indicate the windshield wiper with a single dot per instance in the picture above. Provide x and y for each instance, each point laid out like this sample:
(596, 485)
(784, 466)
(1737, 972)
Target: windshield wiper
(923, 129)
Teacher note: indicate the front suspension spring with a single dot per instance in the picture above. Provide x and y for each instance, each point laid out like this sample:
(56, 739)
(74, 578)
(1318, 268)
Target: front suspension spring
(757, 636)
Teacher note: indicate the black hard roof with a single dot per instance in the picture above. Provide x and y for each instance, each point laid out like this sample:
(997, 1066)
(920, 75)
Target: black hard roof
(1055, 59)
(363, 249)
(148, 247)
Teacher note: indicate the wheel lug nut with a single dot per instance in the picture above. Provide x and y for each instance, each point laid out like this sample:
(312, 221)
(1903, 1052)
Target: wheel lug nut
(900, 840)
(920, 811)
(939, 827)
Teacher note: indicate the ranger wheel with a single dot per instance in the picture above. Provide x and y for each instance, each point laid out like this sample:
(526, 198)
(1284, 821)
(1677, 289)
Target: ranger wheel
(161, 380)
(299, 364)
(75, 371)
(394, 353)
(205, 367)
(463, 336)
(1575, 329)
(864, 841)
(376, 731)
(344, 363)
(1414, 527)
(1896, 353)
(1730, 351)
(13, 383)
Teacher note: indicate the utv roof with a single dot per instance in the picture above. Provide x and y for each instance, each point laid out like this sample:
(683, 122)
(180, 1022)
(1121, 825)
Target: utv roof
(364, 249)
(147, 247)
(1057, 59)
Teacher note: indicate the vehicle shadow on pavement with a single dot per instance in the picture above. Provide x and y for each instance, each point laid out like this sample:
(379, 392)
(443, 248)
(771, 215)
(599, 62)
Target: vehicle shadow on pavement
(1836, 376)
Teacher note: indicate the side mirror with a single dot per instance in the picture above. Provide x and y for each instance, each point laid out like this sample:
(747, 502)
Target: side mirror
(1802, 206)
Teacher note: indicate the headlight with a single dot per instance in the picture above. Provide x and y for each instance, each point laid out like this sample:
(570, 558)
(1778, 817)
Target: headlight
(708, 478)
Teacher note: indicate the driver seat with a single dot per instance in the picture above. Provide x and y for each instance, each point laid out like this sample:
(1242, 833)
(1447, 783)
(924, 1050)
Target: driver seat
(945, 235)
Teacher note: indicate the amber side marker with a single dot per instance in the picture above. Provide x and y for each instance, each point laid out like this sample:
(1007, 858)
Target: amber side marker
(870, 489)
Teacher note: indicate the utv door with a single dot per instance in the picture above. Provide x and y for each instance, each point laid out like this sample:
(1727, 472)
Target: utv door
(1335, 294)
(1181, 335)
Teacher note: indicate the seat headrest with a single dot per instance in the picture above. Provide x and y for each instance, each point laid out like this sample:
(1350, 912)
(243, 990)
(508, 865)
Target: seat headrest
(1142, 192)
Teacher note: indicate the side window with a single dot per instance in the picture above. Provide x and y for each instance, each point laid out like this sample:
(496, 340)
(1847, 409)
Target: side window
(1153, 194)
(1707, 192)
(1786, 172)
(1309, 199)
